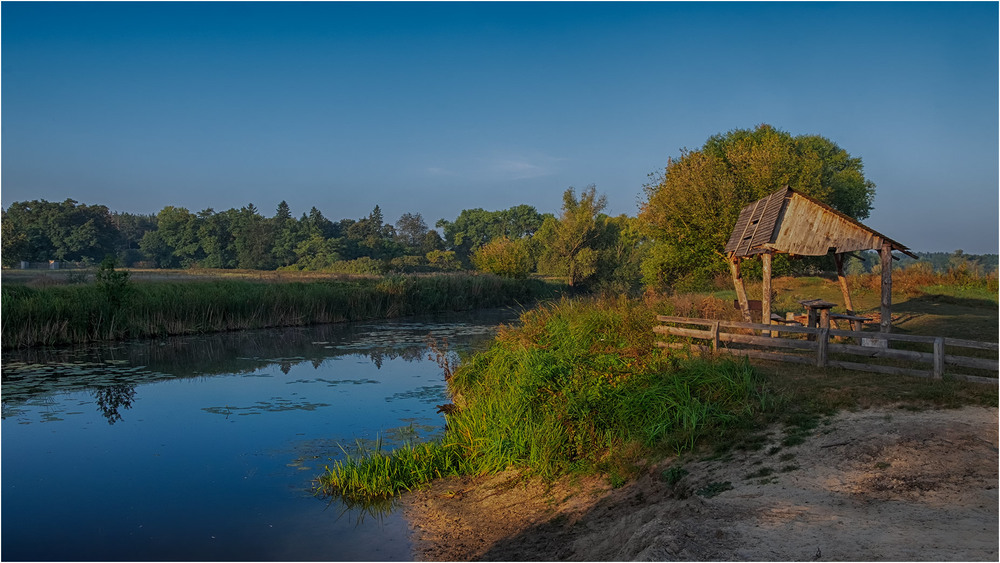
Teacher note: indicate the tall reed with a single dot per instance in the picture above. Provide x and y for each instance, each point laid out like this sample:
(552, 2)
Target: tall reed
(57, 315)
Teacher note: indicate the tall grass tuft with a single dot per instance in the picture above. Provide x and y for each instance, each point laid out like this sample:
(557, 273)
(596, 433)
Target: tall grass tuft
(56, 315)
(579, 385)
(375, 475)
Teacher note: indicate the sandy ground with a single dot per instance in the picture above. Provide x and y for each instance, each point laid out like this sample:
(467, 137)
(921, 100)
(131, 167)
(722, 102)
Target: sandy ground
(874, 485)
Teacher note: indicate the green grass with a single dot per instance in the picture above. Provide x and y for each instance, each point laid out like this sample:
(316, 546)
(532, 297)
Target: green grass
(579, 386)
(376, 475)
(66, 314)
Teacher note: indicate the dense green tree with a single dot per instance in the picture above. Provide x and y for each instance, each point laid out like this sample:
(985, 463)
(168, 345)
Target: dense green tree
(505, 257)
(287, 235)
(692, 205)
(444, 260)
(410, 231)
(621, 247)
(253, 238)
(315, 222)
(317, 253)
(569, 243)
(156, 250)
(15, 244)
(216, 237)
(432, 241)
(131, 227)
(372, 237)
(475, 227)
(68, 230)
(178, 229)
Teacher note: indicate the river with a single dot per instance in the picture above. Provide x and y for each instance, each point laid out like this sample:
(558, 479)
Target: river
(206, 447)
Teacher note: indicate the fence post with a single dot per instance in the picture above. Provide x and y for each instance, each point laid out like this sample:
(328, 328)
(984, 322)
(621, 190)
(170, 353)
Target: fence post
(938, 357)
(715, 336)
(824, 340)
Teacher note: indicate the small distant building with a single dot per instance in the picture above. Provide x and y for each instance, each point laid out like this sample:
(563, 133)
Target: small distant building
(788, 222)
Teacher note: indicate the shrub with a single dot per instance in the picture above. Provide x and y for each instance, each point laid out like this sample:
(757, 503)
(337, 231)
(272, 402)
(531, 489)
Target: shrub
(444, 260)
(504, 257)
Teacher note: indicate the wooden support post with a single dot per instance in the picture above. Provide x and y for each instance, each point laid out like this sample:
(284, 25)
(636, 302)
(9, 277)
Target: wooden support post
(715, 336)
(824, 341)
(741, 290)
(886, 310)
(824, 318)
(938, 357)
(765, 298)
(842, 278)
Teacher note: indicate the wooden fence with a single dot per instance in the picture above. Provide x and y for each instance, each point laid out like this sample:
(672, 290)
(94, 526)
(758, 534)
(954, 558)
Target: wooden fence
(818, 340)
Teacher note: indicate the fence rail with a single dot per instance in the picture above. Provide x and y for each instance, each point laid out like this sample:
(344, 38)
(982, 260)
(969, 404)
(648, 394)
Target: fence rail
(819, 341)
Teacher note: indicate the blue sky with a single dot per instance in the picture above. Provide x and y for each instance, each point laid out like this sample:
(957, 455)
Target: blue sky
(433, 108)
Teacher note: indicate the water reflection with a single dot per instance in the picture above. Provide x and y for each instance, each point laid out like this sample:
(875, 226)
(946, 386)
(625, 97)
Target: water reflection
(112, 398)
(112, 372)
(206, 448)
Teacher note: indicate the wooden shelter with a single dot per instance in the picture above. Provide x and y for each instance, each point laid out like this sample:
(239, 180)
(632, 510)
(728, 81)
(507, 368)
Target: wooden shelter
(787, 222)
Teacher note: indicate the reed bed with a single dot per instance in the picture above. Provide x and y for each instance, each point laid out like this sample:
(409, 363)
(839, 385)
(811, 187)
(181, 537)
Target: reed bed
(578, 386)
(59, 315)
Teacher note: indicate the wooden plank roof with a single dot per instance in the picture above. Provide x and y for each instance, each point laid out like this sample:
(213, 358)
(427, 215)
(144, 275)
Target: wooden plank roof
(789, 222)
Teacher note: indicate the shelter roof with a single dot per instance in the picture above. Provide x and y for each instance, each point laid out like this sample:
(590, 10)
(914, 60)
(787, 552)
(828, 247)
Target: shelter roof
(789, 222)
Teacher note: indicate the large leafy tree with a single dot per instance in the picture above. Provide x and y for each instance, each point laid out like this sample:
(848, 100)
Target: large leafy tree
(692, 205)
(43, 230)
(176, 241)
(286, 235)
(253, 239)
(215, 234)
(371, 236)
(505, 257)
(570, 243)
(474, 228)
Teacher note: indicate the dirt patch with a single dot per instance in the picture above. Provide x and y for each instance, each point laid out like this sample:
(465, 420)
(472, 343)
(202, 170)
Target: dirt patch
(880, 484)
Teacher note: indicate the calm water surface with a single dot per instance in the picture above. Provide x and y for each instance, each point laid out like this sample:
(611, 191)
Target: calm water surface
(206, 448)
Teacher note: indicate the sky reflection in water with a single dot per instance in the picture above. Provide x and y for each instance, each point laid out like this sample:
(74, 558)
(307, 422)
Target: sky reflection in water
(205, 448)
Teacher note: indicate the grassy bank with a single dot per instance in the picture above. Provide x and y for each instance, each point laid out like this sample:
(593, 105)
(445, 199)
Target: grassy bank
(66, 314)
(579, 386)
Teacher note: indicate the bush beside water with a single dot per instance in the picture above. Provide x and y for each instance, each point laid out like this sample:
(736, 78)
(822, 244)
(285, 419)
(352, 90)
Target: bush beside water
(58, 315)
(579, 386)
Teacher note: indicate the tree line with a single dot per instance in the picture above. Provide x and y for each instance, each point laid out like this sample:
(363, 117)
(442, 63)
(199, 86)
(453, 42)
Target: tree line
(675, 241)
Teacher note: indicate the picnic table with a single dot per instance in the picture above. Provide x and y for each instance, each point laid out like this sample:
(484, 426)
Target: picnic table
(819, 315)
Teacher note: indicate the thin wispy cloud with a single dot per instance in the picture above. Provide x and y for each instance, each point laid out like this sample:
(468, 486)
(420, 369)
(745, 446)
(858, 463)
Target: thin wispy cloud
(440, 171)
(499, 167)
(520, 167)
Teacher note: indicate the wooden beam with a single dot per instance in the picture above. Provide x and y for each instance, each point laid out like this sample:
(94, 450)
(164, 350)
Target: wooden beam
(938, 357)
(678, 331)
(741, 290)
(842, 278)
(886, 310)
(765, 299)
(821, 351)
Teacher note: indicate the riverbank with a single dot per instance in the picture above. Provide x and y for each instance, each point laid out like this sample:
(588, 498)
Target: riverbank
(87, 312)
(880, 484)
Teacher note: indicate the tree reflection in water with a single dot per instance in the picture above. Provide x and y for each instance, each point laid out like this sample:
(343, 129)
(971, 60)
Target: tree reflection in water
(112, 398)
